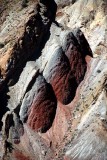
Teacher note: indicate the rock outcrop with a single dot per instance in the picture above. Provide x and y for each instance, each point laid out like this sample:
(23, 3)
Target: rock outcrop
(52, 81)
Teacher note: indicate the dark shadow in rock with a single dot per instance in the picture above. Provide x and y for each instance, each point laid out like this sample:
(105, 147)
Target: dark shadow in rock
(3, 103)
(28, 53)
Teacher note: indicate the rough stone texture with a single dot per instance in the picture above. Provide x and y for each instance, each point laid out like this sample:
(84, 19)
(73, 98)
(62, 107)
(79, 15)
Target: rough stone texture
(32, 27)
(89, 116)
(66, 64)
(59, 75)
(43, 108)
(53, 89)
(63, 3)
(26, 77)
(91, 17)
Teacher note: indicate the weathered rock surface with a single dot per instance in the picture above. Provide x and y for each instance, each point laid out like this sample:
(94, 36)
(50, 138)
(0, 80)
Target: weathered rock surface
(64, 3)
(90, 115)
(53, 87)
(91, 17)
(15, 51)
(43, 107)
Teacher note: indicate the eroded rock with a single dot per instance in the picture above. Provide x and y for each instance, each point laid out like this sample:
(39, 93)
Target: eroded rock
(41, 111)
(56, 89)
(59, 75)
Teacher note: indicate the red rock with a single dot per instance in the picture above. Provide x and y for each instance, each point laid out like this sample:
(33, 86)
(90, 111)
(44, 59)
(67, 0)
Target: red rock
(42, 112)
(60, 76)
(78, 65)
(19, 156)
(60, 126)
(16, 141)
(76, 49)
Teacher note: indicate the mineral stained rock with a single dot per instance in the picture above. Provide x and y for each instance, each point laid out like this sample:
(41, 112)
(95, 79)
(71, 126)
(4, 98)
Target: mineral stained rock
(53, 80)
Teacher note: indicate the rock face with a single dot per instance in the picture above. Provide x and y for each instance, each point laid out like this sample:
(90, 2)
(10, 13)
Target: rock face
(43, 108)
(90, 16)
(52, 81)
(64, 3)
(30, 35)
(91, 109)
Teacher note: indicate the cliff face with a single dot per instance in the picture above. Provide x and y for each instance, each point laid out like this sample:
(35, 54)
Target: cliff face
(53, 72)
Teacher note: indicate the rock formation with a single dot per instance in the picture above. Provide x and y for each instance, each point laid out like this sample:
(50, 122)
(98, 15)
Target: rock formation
(53, 89)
